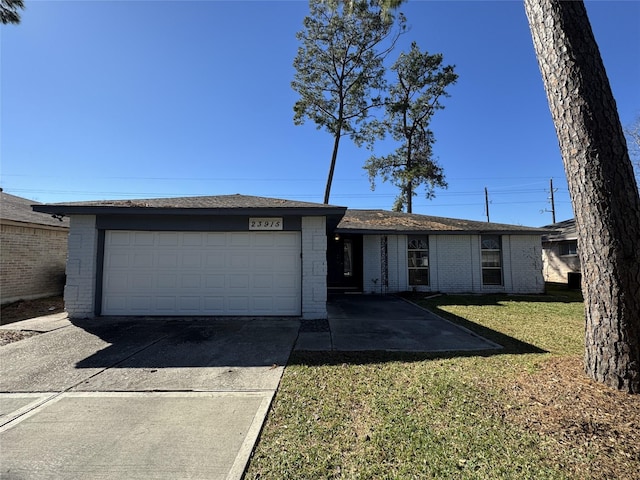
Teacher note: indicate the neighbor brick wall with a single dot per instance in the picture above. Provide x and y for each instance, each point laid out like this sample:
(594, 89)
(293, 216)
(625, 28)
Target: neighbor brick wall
(314, 268)
(32, 261)
(557, 266)
(79, 293)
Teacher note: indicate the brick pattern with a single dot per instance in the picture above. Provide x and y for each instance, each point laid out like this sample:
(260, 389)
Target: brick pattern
(32, 261)
(371, 271)
(79, 292)
(455, 264)
(556, 265)
(314, 268)
(526, 264)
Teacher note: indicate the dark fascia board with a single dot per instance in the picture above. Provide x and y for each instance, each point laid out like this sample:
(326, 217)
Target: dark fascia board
(111, 210)
(439, 232)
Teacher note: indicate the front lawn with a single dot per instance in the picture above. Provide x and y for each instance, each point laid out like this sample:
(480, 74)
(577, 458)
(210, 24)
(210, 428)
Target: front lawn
(527, 412)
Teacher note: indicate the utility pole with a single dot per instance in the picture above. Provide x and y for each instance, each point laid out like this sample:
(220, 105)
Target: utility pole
(553, 204)
(486, 202)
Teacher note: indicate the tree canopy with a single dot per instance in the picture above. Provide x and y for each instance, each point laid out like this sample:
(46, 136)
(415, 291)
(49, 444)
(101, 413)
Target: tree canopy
(340, 72)
(421, 82)
(9, 11)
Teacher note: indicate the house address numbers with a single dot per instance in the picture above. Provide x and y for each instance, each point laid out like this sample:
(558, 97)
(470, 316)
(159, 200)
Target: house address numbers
(265, 223)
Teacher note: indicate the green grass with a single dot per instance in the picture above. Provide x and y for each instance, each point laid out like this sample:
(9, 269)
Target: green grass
(403, 416)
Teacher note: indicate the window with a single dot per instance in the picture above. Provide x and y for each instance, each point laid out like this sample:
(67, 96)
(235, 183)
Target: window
(569, 248)
(491, 259)
(418, 256)
(347, 255)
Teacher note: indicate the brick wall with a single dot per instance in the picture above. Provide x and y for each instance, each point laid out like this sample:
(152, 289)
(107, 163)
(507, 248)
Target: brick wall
(455, 264)
(526, 264)
(556, 265)
(32, 262)
(314, 268)
(372, 281)
(79, 293)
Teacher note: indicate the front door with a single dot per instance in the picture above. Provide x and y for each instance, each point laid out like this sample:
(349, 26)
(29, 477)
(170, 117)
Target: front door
(344, 260)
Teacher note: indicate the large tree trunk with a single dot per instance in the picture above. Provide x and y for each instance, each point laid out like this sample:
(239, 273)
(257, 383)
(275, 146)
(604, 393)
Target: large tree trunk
(601, 184)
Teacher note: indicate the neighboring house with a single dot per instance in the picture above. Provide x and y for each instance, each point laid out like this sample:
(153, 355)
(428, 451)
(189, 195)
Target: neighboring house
(560, 253)
(253, 256)
(33, 251)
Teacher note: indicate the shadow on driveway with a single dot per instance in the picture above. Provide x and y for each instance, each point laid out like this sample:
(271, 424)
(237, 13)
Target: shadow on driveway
(396, 329)
(189, 342)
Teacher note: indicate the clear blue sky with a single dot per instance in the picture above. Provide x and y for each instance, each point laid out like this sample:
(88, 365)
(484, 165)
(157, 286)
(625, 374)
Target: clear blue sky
(139, 99)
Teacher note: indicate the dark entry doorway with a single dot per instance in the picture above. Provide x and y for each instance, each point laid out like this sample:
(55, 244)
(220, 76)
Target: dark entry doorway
(344, 263)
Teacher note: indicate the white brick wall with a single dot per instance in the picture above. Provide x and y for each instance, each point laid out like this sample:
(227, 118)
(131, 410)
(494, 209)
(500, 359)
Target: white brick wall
(314, 268)
(526, 264)
(455, 264)
(79, 292)
(372, 276)
(452, 263)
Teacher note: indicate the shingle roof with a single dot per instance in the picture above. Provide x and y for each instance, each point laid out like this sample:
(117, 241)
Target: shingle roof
(18, 209)
(220, 204)
(565, 230)
(382, 221)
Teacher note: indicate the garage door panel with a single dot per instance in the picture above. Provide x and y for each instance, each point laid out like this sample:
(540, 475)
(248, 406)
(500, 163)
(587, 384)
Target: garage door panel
(191, 282)
(166, 304)
(237, 304)
(238, 281)
(143, 260)
(120, 238)
(263, 261)
(239, 239)
(239, 260)
(282, 282)
(263, 281)
(166, 281)
(117, 260)
(168, 239)
(202, 273)
(142, 282)
(140, 304)
(144, 239)
(215, 260)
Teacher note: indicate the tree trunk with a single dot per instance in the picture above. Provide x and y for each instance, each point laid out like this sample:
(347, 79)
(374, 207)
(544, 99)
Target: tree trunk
(602, 187)
(332, 167)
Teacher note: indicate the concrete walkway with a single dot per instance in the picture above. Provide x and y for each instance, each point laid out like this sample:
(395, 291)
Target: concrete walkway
(151, 398)
(386, 323)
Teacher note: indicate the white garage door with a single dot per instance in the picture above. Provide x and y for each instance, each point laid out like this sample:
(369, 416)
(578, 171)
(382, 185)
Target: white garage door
(201, 273)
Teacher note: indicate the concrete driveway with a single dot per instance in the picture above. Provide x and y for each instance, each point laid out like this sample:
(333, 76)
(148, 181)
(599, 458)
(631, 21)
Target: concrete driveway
(151, 398)
(386, 323)
(115, 398)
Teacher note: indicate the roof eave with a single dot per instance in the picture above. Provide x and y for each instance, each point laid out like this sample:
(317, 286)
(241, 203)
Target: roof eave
(229, 211)
(366, 231)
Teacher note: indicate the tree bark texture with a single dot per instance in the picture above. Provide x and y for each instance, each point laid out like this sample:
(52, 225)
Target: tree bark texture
(602, 187)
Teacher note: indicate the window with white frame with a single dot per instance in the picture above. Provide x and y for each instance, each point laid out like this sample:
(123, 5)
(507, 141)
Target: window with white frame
(418, 259)
(491, 246)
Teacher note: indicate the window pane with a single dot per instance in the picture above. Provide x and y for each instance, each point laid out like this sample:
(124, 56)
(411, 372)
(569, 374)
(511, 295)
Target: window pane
(491, 242)
(490, 258)
(419, 259)
(491, 276)
(347, 254)
(419, 276)
(569, 248)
